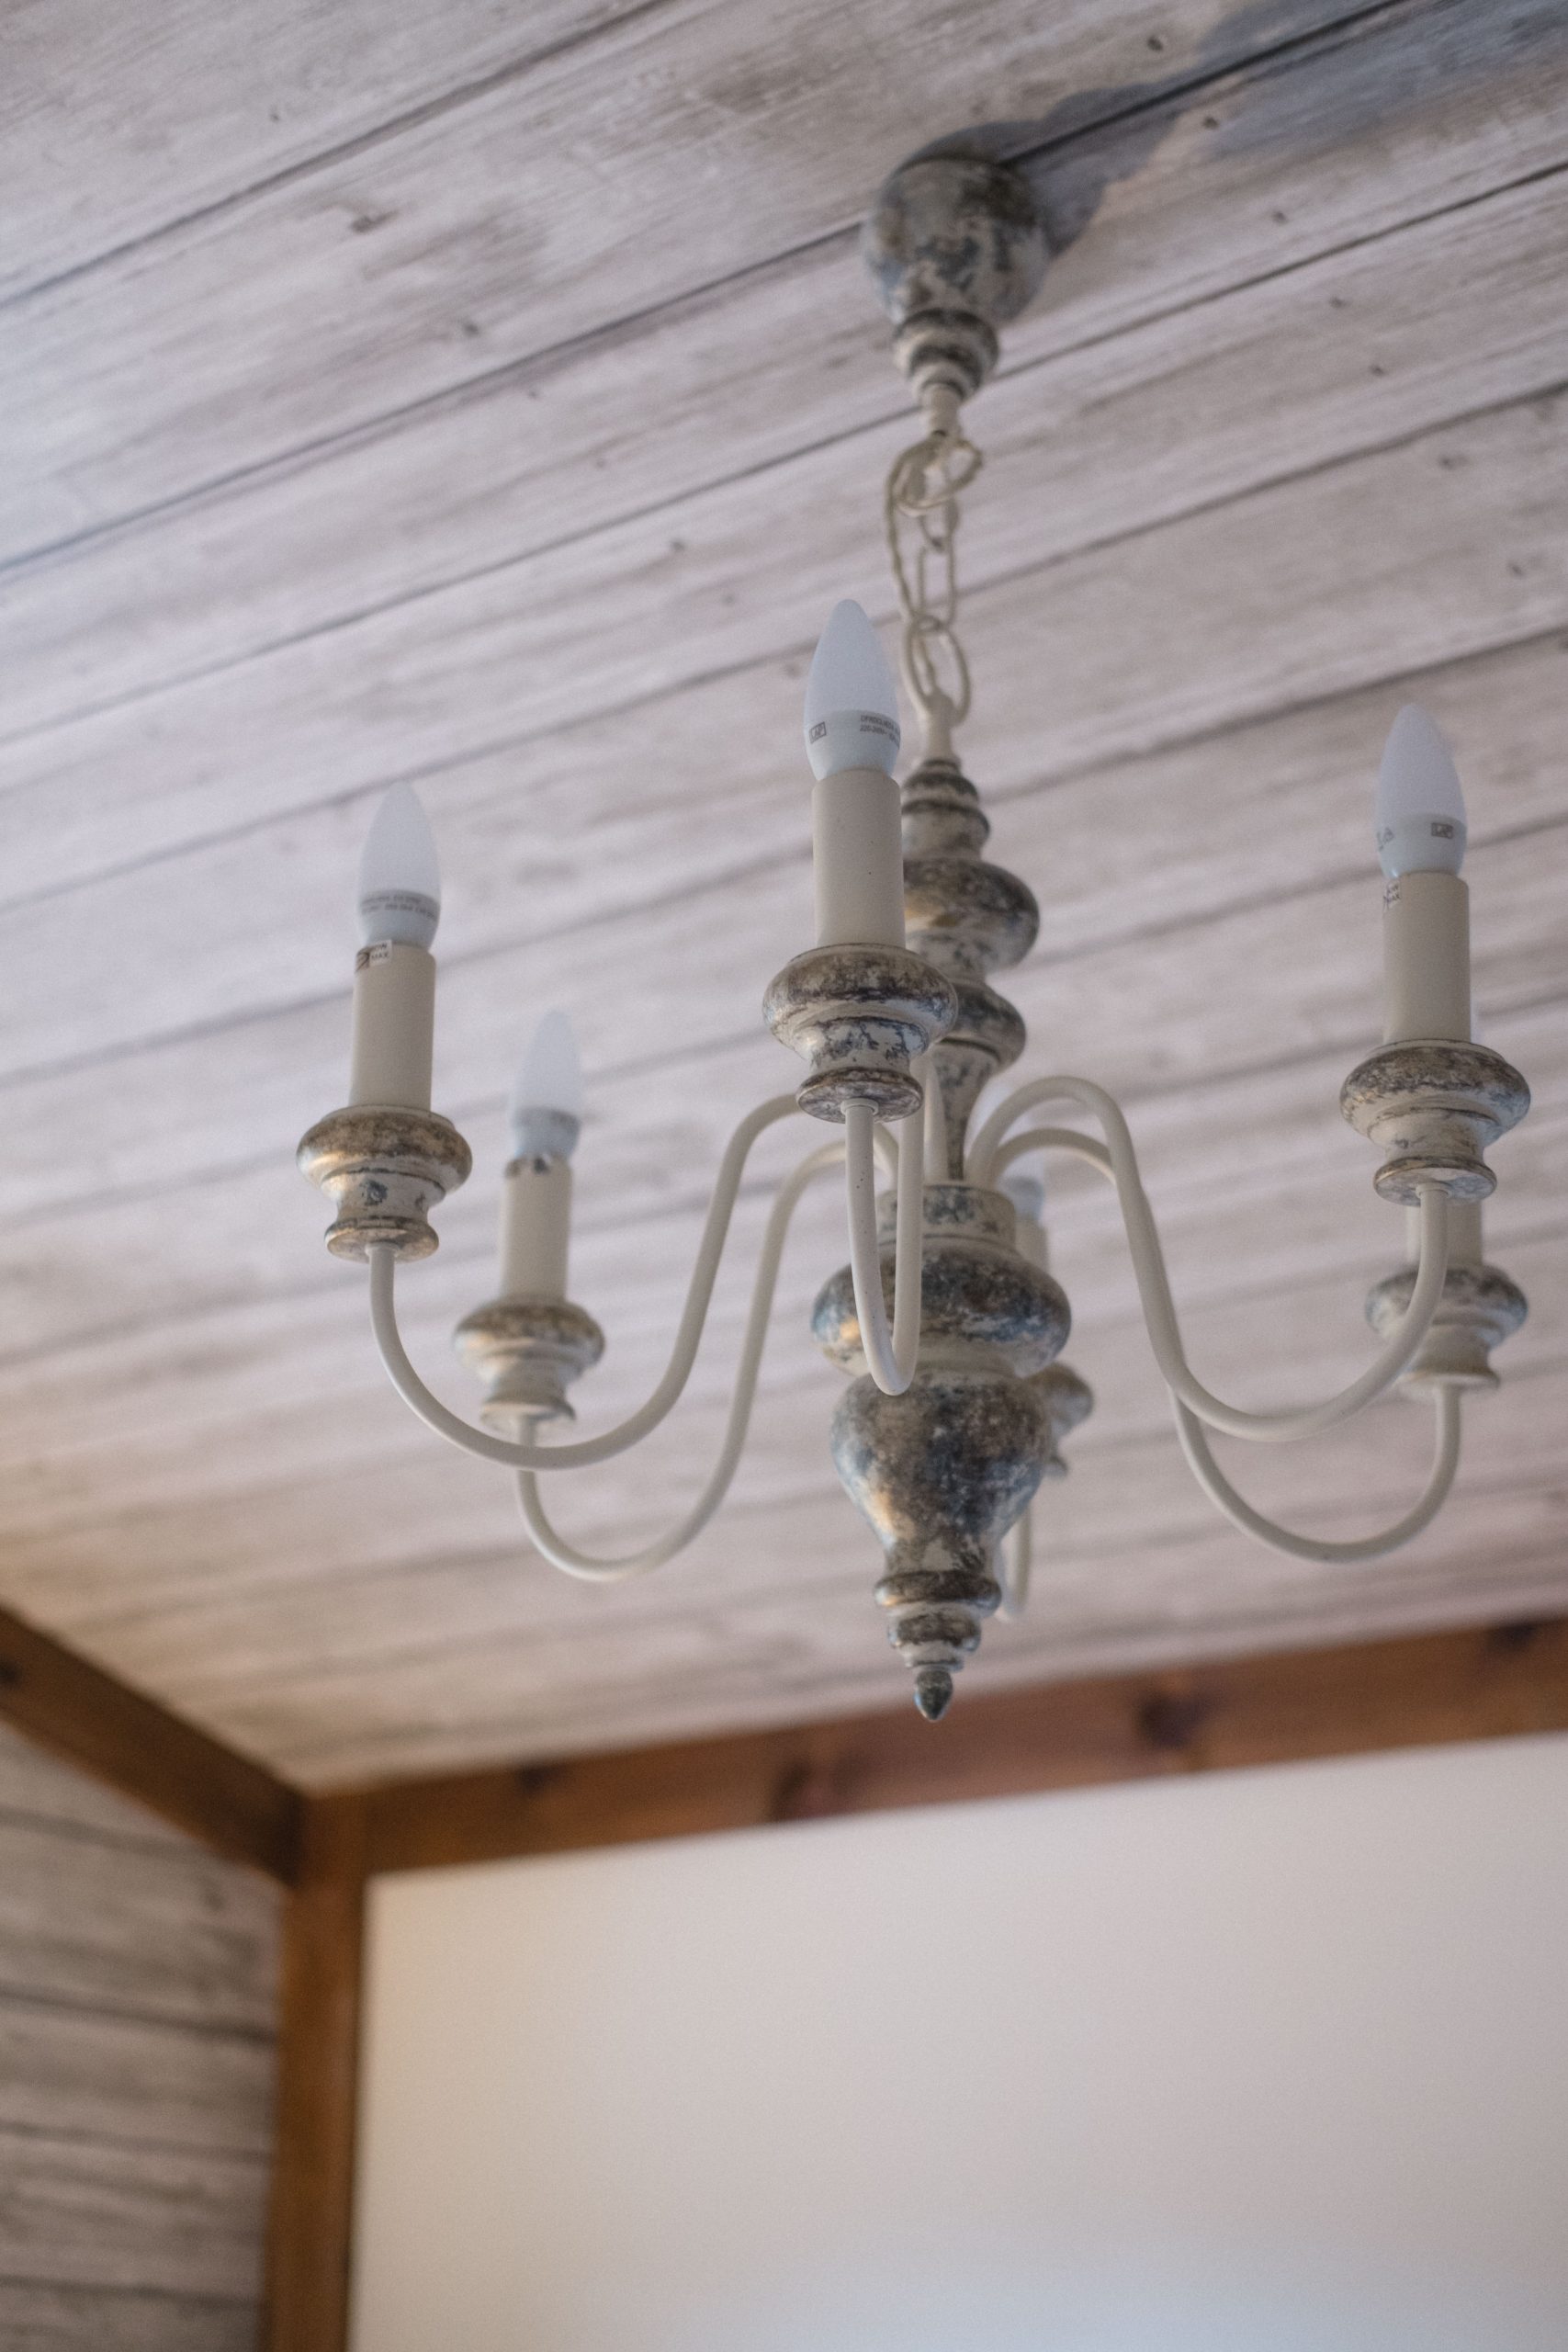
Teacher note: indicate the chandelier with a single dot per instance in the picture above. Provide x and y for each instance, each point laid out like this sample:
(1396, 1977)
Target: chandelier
(947, 1317)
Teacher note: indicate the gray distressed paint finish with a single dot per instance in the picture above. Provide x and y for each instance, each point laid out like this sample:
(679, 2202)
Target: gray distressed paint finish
(137, 2008)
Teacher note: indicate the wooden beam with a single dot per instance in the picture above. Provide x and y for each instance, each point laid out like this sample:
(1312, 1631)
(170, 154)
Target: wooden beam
(1428, 1690)
(310, 2220)
(139, 1748)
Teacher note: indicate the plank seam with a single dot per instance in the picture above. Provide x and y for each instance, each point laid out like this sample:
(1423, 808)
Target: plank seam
(256, 2037)
(434, 110)
(341, 151)
(549, 359)
(406, 599)
(1388, 1583)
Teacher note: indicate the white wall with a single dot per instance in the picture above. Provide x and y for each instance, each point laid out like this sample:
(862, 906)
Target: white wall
(1271, 2062)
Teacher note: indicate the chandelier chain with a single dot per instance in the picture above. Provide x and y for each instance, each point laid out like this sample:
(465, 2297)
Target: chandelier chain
(921, 513)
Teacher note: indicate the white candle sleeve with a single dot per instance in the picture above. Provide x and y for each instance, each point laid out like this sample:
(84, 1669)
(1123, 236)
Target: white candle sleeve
(858, 859)
(1466, 1248)
(535, 1228)
(1426, 941)
(394, 1026)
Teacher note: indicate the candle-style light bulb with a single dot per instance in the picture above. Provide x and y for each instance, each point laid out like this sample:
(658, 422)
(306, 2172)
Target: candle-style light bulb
(546, 1110)
(851, 702)
(400, 877)
(1418, 816)
(851, 740)
(394, 972)
(1418, 811)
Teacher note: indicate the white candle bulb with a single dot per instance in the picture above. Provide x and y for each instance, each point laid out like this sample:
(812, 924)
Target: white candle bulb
(546, 1112)
(546, 1102)
(851, 739)
(394, 973)
(1418, 813)
(851, 703)
(1418, 816)
(400, 879)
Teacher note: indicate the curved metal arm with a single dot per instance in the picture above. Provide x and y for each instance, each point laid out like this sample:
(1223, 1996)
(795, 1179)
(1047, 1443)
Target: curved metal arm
(1218, 1487)
(585, 1451)
(890, 1355)
(1121, 1164)
(565, 1556)
(1065, 1139)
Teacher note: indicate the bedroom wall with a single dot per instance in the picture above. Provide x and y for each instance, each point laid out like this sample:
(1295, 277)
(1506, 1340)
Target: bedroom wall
(137, 1989)
(1265, 2061)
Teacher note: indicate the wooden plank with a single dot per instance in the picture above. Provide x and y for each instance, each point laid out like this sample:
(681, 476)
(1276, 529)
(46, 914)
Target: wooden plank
(107, 1514)
(1127, 1536)
(39, 2317)
(473, 1647)
(586, 196)
(1267, 1320)
(179, 1937)
(1276, 375)
(310, 2224)
(339, 1499)
(130, 2217)
(66, 2072)
(1127, 849)
(1204, 406)
(1279, 596)
(1502, 1681)
(232, 1803)
(136, 2021)
(117, 133)
(496, 1661)
(272, 1512)
(795, 1653)
(1306, 988)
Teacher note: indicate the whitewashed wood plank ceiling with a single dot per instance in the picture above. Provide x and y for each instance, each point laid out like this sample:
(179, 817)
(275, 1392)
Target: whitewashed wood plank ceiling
(493, 399)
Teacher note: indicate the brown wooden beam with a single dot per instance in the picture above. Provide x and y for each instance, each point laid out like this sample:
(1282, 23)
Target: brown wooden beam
(231, 1803)
(310, 2217)
(1425, 1691)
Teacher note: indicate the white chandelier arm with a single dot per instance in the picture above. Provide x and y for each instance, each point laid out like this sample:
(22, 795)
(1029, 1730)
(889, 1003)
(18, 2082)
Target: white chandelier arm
(565, 1556)
(890, 1355)
(1065, 1139)
(1218, 1487)
(1154, 1286)
(585, 1451)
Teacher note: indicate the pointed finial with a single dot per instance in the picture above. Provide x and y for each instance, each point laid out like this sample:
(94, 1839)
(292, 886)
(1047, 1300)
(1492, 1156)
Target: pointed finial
(933, 1691)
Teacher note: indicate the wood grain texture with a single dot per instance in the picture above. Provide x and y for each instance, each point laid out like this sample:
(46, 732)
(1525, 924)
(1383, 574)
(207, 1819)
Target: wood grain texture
(116, 140)
(1281, 445)
(1493, 1684)
(137, 2012)
(525, 467)
(47, 2317)
(584, 197)
(310, 2217)
(230, 1804)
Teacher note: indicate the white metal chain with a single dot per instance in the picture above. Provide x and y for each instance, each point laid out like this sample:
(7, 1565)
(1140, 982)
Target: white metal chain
(921, 512)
